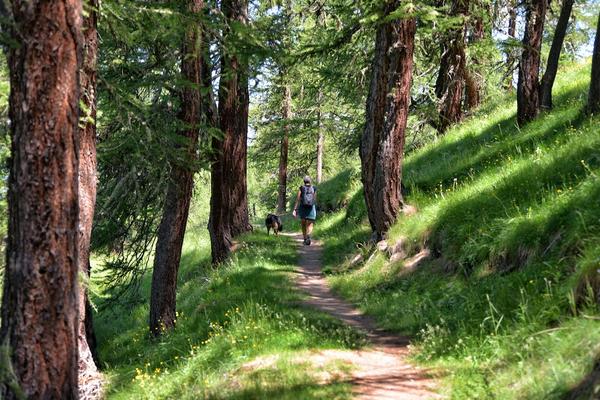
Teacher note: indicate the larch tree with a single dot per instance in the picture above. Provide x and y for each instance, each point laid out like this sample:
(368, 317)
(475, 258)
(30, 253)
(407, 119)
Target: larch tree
(382, 141)
(283, 151)
(472, 87)
(320, 138)
(40, 295)
(554, 56)
(171, 230)
(229, 194)
(234, 101)
(286, 111)
(593, 105)
(88, 178)
(528, 86)
(450, 83)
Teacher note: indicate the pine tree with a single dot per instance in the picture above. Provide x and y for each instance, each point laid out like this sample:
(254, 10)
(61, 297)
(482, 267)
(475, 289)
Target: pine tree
(179, 193)
(40, 299)
(382, 142)
(528, 87)
(554, 56)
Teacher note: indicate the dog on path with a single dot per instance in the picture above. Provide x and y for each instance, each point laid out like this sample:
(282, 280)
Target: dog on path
(273, 222)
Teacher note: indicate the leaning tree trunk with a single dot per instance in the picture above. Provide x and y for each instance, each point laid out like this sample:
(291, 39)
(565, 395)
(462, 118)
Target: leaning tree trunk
(320, 139)
(88, 371)
(283, 153)
(553, 57)
(593, 105)
(40, 299)
(450, 82)
(179, 193)
(233, 121)
(528, 87)
(382, 142)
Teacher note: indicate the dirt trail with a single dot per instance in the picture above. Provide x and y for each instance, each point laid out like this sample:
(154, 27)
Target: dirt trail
(382, 372)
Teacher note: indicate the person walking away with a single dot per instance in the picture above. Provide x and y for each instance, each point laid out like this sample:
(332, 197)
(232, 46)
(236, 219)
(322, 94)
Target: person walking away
(306, 208)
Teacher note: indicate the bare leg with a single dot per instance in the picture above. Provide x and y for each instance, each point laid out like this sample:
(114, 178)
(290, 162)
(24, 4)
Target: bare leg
(309, 228)
(304, 228)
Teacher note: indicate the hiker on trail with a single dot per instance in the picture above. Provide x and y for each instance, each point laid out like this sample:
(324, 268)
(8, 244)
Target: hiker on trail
(306, 208)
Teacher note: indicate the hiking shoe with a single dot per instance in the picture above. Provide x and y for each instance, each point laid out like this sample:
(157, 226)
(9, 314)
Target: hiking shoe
(307, 241)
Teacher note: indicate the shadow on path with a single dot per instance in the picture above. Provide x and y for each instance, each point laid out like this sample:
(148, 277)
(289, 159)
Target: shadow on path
(381, 372)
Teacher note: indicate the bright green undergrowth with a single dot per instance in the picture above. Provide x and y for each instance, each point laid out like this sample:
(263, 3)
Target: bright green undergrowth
(504, 306)
(227, 316)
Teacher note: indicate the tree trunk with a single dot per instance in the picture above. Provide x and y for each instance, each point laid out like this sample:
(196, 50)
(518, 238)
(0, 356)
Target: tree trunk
(177, 202)
(233, 122)
(450, 83)
(593, 105)
(528, 87)
(382, 142)
(472, 89)
(87, 192)
(510, 52)
(554, 56)
(320, 139)
(283, 154)
(218, 223)
(40, 299)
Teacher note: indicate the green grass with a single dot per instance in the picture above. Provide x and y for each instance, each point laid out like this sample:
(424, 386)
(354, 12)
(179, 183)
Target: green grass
(512, 219)
(227, 316)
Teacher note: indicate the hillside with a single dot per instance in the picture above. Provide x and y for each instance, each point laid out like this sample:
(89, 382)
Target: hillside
(498, 280)
(499, 300)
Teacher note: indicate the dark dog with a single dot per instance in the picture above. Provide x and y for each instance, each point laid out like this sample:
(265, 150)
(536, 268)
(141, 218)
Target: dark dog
(273, 222)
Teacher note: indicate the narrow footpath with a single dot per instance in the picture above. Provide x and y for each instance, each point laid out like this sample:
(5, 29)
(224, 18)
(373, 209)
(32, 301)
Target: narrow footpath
(381, 372)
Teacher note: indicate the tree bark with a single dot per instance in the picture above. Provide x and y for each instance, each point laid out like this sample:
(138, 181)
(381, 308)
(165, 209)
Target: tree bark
(528, 86)
(87, 191)
(233, 122)
(382, 142)
(593, 105)
(472, 87)
(283, 154)
(320, 139)
(554, 56)
(450, 83)
(40, 295)
(177, 202)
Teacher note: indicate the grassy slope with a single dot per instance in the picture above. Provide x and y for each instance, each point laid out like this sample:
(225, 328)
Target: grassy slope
(512, 217)
(227, 317)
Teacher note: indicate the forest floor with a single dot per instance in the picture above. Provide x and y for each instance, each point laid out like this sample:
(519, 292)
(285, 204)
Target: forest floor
(381, 372)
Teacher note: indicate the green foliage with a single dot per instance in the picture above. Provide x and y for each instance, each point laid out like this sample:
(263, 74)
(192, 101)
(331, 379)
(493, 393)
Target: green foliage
(506, 302)
(227, 317)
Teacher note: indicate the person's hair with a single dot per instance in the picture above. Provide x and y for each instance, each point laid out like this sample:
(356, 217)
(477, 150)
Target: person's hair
(307, 179)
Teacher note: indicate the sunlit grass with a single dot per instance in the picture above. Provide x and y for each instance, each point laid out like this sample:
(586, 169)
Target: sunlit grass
(512, 218)
(227, 316)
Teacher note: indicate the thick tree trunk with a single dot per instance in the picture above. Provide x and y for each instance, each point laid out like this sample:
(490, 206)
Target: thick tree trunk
(40, 299)
(88, 372)
(450, 82)
(283, 153)
(554, 56)
(382, 142)
(594, 95)
(528, 87)
(233, 122)
(511, 59)
(177, 202)
(320, 139)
